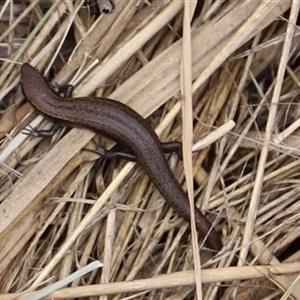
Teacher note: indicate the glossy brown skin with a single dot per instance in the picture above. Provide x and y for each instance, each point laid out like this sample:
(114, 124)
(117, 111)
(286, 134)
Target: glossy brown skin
(123, 125)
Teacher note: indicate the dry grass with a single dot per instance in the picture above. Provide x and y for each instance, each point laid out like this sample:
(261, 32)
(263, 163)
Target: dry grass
(61, 209)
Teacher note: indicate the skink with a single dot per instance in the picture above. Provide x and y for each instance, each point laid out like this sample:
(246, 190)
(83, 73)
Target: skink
(123, 125)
